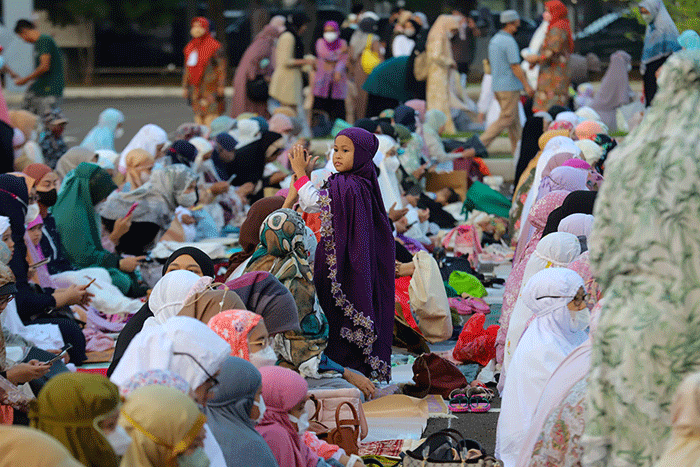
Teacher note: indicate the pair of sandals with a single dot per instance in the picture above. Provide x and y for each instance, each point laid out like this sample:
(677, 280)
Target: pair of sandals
(471, 400)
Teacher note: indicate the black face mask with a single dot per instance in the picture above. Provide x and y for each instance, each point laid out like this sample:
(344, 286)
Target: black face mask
(48, 198)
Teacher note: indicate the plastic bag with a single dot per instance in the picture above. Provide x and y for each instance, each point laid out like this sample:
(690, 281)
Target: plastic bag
(476, 344)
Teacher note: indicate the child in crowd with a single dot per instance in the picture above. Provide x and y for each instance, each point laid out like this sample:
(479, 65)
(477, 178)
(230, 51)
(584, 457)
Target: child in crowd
(51, 139)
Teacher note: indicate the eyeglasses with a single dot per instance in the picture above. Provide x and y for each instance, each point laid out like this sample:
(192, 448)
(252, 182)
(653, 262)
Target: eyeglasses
(575, 299)
(215, 382)
(5, 299)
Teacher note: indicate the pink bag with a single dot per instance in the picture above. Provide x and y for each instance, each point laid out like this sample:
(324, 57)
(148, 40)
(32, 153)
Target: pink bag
(323, 410)
(462, 240)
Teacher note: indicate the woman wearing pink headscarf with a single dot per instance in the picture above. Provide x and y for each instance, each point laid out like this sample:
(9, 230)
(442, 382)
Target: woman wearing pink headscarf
(538, 219)
(331, 78)
(256, 61)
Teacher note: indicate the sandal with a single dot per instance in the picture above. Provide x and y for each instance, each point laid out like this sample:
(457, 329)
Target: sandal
(460, 404)
(482, 391)
(479, 404)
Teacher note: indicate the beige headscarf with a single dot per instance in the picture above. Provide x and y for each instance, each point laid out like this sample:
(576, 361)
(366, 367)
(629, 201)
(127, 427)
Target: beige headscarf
(438, 44)
(684, 446)
(162, 423)
(137, 161)
(32, 448)
(25, 121)
(72, 159)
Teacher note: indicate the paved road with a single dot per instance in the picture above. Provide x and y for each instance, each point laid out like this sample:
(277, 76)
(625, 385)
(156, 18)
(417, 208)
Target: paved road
(168, 113)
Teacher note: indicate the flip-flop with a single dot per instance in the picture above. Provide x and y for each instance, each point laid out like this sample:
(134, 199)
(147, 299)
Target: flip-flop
(479, 404)
(460, 404)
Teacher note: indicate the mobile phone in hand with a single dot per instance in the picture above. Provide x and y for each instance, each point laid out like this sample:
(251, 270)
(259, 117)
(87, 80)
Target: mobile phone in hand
(60, 355)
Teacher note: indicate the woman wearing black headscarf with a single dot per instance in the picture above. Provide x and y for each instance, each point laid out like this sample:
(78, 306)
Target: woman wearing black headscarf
(529, 147)
(34, 304)
(413, 86)
(250, 160)
(577, 202)
(187, 258)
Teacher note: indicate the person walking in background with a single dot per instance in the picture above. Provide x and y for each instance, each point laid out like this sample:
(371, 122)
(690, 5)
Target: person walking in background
(46, 92)
(508, 80)
(330, 82)
(553, 82)
(660, 41)
(204, 74)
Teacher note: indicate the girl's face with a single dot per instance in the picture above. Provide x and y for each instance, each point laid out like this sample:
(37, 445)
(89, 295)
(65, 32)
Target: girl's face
(47, 183)
(7, 238)
(35, 234)
(186, 263)
(343, 154)
(255, 412)
(579, 301)
(197, 443)
(300, 408)
(258, 338)
(205, 391)
(109, 423)
(547, 16)
(329, 28)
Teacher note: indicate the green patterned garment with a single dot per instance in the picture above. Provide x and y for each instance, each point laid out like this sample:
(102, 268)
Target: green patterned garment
(645, 253)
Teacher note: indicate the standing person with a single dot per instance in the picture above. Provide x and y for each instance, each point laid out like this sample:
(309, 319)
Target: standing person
(330, 82)
(553, 82)
(287, 81)
(354, 264)
(204, 74)
(51, 142)
(508, 80)
(46, 92)
(615, 90)
(464, 43)
(660, 41)
(364, 38)
(256, 61)
(645, 261)
(440, 67)
(259, 16)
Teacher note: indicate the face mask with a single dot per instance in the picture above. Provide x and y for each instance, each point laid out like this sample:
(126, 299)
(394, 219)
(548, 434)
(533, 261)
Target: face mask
(261, 408)
(629, 68)
(302, 422)
(391, 164)
(382, 50)
(119, 440)
(32, 212)
(330, 36)
(187, 200)
(198, 458)
(48, 198)
(581, 320)
(647, 18)
(118, 133)
(264, 357)
(410, 32)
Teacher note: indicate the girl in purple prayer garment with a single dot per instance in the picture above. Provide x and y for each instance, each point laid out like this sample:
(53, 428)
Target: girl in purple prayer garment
(354, 264)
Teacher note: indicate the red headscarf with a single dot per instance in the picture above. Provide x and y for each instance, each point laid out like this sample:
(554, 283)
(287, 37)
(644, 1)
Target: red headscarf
(206, 46)
(560, 19)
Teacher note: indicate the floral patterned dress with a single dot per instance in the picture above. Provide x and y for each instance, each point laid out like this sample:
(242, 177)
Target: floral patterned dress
(645, 254)
(559, 443)
(553, 83)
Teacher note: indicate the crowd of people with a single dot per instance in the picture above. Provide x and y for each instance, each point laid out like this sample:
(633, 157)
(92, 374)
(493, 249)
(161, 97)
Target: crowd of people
(212, 356)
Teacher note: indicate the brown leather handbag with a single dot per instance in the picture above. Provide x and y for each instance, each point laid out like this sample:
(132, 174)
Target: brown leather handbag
(346, 434)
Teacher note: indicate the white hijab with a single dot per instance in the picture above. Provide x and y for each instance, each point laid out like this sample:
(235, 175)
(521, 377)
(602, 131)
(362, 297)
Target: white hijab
(247, 131)
(169, 295)
(155, 348)
(555, 250)
(545, 344)
(388, 182)
(577, 224)
(4, 224)
(148, 138)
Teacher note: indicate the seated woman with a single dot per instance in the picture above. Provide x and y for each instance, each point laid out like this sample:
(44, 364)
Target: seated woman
(80, 410)
(139, 165)
(285, 421)
(164, 425)
(235, 410)
(156, 201)
(72, 159)
(29, 447)
(34, 304)
(109, 127)
(557, 297)
(77, 225)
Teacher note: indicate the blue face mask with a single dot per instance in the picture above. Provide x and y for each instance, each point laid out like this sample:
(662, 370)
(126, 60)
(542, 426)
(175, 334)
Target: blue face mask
(198, 458)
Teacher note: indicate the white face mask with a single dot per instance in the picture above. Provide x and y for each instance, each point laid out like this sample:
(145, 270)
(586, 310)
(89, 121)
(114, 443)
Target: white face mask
(32, 212)
(581, 320)
(647, 17)
(302, 422)
(629, 68)
(119, 440)
(264, 357)
(260, 404)
(187, 200)
(391, 164)
(330, 36)
(382, 51)
(118, 133)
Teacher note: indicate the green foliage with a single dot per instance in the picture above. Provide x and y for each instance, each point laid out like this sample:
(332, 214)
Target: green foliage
(685, 13)
(145, 13)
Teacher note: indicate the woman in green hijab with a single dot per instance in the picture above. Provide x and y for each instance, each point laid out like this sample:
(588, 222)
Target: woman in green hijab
(81, 410)
(77, 224)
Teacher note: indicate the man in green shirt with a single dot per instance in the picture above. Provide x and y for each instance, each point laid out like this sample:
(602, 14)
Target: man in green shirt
(46, 92)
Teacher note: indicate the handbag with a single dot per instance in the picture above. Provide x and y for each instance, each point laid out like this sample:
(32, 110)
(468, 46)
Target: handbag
(433, 374)
(328, 402)
(448, 448)
(369, 58)
(257, 89)
(429, 300)
(346, 433)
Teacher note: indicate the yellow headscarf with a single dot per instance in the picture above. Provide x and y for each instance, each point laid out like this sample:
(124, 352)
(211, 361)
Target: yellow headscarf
(24, 121)
(547, 135)
(162, 422)
(66, 409)
(137, 160)
(32, 448)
